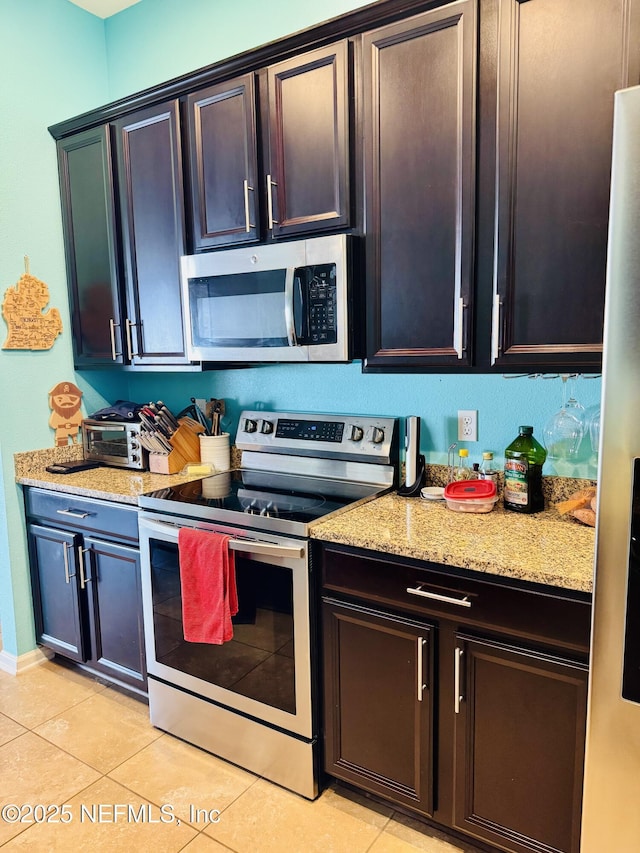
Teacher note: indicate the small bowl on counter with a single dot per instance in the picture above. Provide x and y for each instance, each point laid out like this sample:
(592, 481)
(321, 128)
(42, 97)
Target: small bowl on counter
(471, 495)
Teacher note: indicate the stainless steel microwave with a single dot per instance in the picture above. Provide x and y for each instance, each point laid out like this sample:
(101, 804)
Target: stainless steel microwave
(276, 302)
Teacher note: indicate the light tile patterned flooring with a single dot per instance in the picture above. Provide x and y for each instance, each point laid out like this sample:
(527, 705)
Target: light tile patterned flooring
(67, 738)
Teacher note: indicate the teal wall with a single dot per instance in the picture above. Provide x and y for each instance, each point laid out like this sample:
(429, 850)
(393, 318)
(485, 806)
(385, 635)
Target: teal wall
(58, 61)
(52, 65)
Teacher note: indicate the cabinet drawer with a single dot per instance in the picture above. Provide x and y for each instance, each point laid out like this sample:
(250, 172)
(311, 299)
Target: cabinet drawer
(425, 589)
(115, 521)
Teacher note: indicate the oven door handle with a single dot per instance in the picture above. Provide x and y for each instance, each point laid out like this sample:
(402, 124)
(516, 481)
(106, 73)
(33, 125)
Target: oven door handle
(254, 546)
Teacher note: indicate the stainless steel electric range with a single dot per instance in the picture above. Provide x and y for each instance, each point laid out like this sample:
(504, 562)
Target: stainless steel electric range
(252, 700)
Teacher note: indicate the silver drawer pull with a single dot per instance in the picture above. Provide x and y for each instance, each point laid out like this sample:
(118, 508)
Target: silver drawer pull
(447, 599)
(73, 514)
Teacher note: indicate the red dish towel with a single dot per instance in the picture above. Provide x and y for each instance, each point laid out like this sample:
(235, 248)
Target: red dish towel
(208, 582)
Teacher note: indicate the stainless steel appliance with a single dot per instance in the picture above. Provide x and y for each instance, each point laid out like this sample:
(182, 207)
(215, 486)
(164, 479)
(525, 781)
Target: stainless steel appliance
(288, 301)
(611, 818)
(115, 443)
(253, 700)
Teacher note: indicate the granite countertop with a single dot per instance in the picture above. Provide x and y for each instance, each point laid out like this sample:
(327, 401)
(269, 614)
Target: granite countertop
(112, 484)
(543, 548)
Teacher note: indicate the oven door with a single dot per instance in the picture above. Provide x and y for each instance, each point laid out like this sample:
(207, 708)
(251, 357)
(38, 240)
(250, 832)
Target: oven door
(265, 670)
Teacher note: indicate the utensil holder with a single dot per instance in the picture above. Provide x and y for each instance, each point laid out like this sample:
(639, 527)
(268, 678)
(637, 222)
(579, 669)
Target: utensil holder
(215, 450)
(186, 448)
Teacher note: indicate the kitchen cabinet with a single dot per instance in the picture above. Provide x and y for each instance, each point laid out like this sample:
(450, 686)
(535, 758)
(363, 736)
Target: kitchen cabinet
(379, 728)
(493, 702)
(304, 188)
(307, 143)
(123, 260)
(513, 278)
(149, 156)
(520, 733)
(419, 130)
(553, 160)
(85, 571)
(223, 163)
(90, 238)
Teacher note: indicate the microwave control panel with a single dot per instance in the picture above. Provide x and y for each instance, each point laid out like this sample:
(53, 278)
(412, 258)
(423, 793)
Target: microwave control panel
(317, 304)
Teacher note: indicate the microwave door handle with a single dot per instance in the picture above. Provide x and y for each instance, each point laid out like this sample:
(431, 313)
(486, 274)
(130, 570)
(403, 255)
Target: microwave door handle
(289, 319)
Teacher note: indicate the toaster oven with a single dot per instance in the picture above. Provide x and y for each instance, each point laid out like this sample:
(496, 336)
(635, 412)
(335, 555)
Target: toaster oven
(114, 443)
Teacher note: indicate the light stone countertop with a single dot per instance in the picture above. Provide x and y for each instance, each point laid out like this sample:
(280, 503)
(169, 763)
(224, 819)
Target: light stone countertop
(111, 484)
(541, 548)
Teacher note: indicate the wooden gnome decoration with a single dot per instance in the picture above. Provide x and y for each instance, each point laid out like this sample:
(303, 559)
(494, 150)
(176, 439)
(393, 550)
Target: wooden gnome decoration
(64, 402)
(30, 326)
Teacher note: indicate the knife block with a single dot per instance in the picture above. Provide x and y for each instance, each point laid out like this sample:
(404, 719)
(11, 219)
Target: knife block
(186, 448)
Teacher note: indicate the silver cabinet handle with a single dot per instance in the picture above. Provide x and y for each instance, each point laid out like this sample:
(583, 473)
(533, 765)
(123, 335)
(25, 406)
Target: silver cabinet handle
(248, 225)
(421, 683)
(496, 335)
(81, 552)
(65, 557)
(459, 337)
(436, 596)
(72, 513)
(456, 679)
(112, 332)
(289, 320)
(128, 325)
(271, 220)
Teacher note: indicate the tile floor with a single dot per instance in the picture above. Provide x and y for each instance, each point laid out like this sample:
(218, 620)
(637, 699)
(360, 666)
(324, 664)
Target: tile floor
(68, 738)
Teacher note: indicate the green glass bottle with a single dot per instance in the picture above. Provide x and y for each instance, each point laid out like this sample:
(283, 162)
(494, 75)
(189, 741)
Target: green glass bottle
(523, 463)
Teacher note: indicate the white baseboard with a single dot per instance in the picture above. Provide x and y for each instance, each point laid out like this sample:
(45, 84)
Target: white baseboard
(16, 664)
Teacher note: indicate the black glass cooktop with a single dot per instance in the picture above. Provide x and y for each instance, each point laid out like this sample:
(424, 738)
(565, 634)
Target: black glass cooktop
(266, 496)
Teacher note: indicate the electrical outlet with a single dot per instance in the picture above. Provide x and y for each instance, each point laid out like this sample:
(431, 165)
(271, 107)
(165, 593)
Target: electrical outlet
(467, 425)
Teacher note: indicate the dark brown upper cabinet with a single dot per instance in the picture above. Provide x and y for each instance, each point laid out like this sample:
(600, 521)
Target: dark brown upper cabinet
(419, 132)
(303, 186)
(90, 239)
(559, 63)
(307, 156)
(223, 150)
(149, 158)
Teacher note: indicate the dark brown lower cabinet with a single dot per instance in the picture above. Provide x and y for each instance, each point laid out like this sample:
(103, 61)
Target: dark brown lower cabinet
(379, 731)
(519, 745)
(458, 697)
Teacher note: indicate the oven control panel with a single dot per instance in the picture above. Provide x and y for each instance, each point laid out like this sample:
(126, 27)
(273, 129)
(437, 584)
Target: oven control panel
(359, 437)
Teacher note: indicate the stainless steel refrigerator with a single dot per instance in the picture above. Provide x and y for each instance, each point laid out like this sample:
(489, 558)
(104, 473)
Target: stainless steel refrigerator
(611, 805)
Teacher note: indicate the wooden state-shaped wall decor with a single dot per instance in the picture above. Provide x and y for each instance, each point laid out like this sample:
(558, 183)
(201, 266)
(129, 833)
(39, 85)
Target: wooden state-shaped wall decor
(22, 309)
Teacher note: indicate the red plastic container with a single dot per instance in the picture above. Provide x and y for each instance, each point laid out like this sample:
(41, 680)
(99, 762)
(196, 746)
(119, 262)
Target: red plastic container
(471, 495)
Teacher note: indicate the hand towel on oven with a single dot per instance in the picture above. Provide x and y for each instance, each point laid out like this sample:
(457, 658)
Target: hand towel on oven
(208, 583)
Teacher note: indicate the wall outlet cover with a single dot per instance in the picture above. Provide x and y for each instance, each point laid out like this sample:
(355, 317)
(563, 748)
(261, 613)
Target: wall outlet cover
(467, 425)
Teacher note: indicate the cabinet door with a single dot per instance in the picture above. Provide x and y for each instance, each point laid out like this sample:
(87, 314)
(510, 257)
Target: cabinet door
(115, 609)
(520, 729)
(89, 227)
(223, 163)
(378, 703)
(152, 212)
(419, 126)
(307, 164)
(559, 62)
(57, 589)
